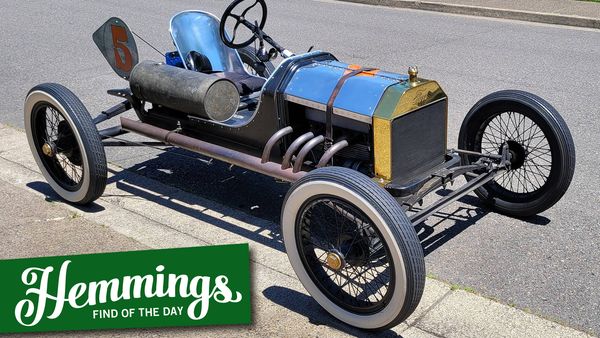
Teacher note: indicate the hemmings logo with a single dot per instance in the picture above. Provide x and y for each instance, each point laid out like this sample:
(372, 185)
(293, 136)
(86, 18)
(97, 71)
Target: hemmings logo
(80, 295)
(155, 288)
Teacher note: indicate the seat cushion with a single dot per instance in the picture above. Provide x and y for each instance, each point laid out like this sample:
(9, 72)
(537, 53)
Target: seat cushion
(246, 84)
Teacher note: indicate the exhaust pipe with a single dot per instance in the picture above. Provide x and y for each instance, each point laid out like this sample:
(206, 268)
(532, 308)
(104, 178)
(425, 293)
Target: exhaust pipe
(328, 155)
(212, 150)
(304, 151)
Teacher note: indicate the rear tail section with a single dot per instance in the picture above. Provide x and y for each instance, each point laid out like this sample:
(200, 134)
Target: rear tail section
(116, 42)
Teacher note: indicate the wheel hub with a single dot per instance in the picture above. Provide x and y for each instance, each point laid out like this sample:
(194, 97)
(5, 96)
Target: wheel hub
(66, 143)
(518, 154)
(335, 260)
(48, 150)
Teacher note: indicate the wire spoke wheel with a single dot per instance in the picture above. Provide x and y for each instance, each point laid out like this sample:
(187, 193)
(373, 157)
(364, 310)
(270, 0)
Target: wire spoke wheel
(343, 251)
(65, 143)
(528, 145)
(57, 147)
(540, 144)
(353, 248)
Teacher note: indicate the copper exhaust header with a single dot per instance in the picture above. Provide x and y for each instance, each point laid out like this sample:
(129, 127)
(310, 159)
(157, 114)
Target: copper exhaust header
(212, 150)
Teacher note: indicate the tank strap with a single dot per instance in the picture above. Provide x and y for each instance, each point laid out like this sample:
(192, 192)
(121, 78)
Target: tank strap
(334, 94)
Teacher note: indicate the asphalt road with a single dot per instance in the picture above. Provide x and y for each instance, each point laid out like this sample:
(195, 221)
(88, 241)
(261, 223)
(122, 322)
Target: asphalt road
(549, 264)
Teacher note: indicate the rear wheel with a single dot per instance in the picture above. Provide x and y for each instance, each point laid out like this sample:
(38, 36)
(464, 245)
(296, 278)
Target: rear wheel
(353, 248)
(540, 144)
(65, 143)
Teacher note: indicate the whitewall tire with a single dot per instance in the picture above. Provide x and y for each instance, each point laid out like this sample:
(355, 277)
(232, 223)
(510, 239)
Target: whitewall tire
(65, 143)
(353, 248)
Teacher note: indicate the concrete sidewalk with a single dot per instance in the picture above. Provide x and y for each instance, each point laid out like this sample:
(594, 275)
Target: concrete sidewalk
(136, 213)
(560, 12)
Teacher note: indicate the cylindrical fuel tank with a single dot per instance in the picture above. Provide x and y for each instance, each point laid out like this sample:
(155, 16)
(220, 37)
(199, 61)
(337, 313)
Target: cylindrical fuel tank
(191, 92)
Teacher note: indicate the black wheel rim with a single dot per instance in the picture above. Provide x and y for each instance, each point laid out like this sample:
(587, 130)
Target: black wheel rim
(50, 127)
(365, 282)
(531, 150)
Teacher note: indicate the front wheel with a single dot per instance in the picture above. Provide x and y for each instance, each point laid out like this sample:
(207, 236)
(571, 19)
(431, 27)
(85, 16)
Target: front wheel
(540, 144)
(353, 248)
(65, 143)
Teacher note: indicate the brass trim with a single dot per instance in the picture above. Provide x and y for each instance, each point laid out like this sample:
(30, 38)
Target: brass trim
(421, 107)
(382, 142)
(418, 97)
(382, 146)
(400, 99)
(413, 73)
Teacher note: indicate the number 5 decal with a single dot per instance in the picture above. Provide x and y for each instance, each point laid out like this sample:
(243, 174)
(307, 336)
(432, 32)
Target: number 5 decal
(115, 41)
(119, 38)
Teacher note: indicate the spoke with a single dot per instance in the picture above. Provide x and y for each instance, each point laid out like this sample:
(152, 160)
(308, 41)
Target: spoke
(536, 159)
(364, 280)
(535, 177)
(519, 181)
(493, 143)
(510, 125)
(529, 130)
(494, 126)
(538, 171)
(544, 156)
(540, 150)
(518, 120)
(503, 178)
(517, 127)
(535, 134)
(504, 123)
(526, 182)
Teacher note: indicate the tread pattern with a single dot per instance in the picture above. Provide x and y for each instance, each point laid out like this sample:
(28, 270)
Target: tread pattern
(89, 136)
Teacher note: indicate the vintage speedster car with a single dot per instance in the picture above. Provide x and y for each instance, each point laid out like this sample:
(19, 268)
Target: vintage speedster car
(362, 147)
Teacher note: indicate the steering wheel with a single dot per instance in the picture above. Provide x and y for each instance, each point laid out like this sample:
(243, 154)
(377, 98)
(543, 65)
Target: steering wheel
(241, 20)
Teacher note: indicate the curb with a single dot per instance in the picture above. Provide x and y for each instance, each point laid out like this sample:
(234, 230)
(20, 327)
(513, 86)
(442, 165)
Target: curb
(556, 19)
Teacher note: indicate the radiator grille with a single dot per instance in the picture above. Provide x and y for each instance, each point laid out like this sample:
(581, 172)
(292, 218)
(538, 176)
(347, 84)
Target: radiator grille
(419, 141)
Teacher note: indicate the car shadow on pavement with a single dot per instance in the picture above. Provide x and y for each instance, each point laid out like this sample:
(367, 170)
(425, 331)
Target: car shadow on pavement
(156, 194)
(51, 196)
(252, 194)
(462, 218)
(306, 306)
(260, 196)
(237, 188)
(456, 221)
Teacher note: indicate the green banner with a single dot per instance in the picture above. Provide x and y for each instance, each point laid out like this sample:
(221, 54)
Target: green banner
(138, 289)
